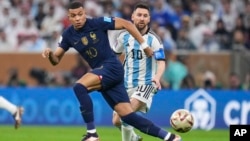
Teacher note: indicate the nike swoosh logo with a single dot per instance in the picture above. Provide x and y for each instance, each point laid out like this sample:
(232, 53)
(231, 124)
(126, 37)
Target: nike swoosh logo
(76, 42)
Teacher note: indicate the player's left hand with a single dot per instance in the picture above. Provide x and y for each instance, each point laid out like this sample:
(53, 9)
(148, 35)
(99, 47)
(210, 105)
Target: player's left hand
(157, 83)
(149, 52)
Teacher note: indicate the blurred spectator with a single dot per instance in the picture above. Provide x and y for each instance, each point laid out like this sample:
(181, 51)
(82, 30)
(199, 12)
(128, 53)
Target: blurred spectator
(125, 11)
(175, 72)
(197, 30)
(209, 44)
(40, 15)
(12, 30)
(188, 82)
(210, 17)
(154, 26)
(26, 35)
(185, 23)
(165, 36)
(53, 41)
(5, 42)
(93, 8)
(228, 14)
(246, 20)
(234, 82)
(209, 80)
(222, 36)
(194, 8)
(5, 13)
(239, 41)
(40, 75)
(239, 24)
(109, 9)
(183, 42)
(60, 79)
(49, 23)
(179, 12)
(36, 44)
(164, 14)
(14, 80)
(59, 8)
(246, 82)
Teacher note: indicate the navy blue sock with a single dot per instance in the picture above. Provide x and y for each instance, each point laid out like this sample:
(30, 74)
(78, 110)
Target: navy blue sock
(144, 125)
(86, 107)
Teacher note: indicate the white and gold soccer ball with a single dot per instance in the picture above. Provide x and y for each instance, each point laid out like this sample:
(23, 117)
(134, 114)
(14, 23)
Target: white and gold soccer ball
(182, 120)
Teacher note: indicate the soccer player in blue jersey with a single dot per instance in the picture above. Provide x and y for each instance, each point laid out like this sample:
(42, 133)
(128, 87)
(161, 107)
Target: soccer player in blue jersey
(142, 74)
(89, 37)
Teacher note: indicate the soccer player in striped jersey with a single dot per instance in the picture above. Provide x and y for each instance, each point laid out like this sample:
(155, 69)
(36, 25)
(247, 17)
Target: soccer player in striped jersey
(142, 74)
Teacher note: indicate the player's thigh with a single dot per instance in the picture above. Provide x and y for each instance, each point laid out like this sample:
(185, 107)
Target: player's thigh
(141, 98)
(118, 99)
(136, 104)
(91, 81)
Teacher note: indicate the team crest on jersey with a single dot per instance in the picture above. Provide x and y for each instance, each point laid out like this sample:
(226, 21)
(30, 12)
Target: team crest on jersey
(93, 37)
(85, 40)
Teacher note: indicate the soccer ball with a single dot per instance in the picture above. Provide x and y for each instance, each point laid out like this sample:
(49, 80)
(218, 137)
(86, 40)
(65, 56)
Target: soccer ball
(181, 120)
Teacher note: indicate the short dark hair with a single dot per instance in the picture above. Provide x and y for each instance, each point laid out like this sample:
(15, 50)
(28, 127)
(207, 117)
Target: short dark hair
(143, 5)
(75, 4)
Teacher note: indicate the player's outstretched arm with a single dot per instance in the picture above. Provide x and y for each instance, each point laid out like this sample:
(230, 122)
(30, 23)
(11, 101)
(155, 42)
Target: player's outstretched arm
(55, 57)
(130, 27)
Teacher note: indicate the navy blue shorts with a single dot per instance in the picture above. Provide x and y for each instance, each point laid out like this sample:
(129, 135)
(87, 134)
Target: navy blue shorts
(112, 81)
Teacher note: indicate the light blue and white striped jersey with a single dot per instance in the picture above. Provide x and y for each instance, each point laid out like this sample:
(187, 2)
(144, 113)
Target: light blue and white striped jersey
(139, 69)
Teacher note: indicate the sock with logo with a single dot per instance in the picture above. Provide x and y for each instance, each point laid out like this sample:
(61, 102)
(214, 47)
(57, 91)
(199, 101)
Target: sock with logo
(144, 125)
(86, 107)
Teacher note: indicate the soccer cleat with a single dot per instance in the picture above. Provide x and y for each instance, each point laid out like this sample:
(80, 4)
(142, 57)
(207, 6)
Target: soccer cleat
(139, 138)
(90, 137)
(174, 137)
(18, 117)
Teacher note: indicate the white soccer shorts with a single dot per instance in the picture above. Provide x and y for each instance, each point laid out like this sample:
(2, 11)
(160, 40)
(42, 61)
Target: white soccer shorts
(143, 93)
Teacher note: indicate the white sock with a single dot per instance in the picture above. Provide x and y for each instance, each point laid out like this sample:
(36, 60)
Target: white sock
(5, 104)
(92, 131)
(167, 136)
(126, 132)
(134, 135)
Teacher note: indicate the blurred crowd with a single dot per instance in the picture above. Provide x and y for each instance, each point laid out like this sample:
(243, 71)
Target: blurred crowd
(183, 25)
(201, 25)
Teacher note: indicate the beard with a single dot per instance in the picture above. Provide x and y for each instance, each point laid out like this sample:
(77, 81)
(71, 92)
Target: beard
(141, 26)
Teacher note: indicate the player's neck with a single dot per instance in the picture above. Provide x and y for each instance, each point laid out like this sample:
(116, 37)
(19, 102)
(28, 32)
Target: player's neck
(144, 30)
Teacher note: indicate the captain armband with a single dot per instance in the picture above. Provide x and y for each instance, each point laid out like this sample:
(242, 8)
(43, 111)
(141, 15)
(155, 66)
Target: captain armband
(159, 54)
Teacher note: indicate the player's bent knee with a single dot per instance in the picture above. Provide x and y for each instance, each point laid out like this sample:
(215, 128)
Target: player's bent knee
(79, 89)
(123, 109)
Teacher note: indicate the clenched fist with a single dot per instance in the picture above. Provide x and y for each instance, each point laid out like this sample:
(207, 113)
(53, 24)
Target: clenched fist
(149, 52)
(46, 53)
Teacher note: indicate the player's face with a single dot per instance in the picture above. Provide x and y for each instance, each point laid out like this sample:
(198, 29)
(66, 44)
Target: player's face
(77, 17)
(141, 18)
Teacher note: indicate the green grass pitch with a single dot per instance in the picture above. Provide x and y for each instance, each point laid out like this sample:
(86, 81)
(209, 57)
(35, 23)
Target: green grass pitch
(74, 133)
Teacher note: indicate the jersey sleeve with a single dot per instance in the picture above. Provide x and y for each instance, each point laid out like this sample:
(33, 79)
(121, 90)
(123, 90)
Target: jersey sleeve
(158, 49)
(105, 23)
(118, 44)
(63, 42)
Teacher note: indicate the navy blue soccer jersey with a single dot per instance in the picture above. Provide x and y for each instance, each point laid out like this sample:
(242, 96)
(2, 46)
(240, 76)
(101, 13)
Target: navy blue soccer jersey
(91, 41)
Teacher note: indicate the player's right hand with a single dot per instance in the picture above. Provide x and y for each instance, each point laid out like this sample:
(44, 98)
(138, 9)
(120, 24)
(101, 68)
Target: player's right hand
(149, 52)
(46, 53)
